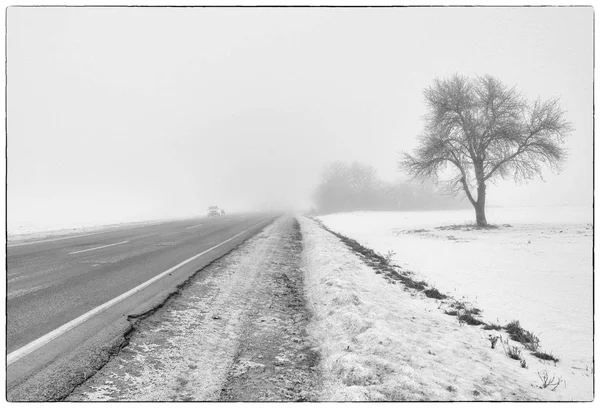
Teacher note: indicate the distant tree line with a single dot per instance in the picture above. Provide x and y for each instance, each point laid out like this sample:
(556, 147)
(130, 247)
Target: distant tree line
(355, 186)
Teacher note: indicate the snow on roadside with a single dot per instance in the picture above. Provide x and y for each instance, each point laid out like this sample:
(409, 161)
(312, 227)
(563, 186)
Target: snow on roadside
(538, 271)
(380, 342)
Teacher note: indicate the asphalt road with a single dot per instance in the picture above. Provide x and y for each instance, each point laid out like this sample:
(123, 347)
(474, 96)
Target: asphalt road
(53, 283)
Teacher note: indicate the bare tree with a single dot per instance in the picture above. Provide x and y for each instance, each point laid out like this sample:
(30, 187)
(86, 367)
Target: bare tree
(479, 129)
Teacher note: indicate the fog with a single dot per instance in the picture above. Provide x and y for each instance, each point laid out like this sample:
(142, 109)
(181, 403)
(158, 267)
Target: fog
(119, 114)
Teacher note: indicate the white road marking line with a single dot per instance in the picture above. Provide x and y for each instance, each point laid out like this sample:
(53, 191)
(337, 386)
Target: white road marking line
(53, 239)
(43, 241)
(16, 278)
(22, 292)
(194, 226)
(34, 345)
(104, 246)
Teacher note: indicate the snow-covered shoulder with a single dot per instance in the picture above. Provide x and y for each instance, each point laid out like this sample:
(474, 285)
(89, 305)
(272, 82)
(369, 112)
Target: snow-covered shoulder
(379, 341)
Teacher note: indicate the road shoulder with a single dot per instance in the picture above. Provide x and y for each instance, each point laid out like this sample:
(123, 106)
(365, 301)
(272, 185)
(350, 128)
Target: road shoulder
(202, 344)
(276, 360)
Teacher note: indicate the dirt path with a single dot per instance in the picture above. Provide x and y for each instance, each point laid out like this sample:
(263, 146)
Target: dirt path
(275, 361)
(236, 333)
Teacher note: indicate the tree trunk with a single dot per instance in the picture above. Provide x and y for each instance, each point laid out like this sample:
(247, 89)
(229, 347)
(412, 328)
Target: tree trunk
(480, 206)
(480, 214)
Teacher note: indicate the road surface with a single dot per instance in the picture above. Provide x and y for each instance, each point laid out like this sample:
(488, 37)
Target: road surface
(236, 333)
(70, 301)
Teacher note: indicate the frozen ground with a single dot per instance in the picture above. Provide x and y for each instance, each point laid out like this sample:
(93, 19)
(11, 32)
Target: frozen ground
(538, 270)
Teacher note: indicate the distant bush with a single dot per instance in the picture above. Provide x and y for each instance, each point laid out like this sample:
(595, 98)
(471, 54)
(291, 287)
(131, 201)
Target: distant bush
(511, 351)
(415, 231)
(466, 227)
(491, 326)
(493, 340)
(465, 314)
(546, 356)
(469, 318)
(517, 333)
(460, 305)
(413, 284)
(514, 353)
(434, 293)
(388, 257)
(553, 382)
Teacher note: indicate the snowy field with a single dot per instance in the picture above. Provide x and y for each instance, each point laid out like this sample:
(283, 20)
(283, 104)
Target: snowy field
(538, 270)
(381, 342)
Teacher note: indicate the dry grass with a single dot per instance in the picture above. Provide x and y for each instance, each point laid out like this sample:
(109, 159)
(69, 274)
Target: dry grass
(470, 227)
(517, 333)
(546, 356)
(382, 264)
(467, 317)
(492, 326)
(434, 293)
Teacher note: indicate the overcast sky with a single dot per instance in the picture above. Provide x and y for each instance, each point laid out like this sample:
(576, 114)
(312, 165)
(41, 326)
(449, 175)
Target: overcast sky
(138, 113)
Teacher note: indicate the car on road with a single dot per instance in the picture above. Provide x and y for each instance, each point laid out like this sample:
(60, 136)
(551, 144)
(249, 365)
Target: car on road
(214, 211)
